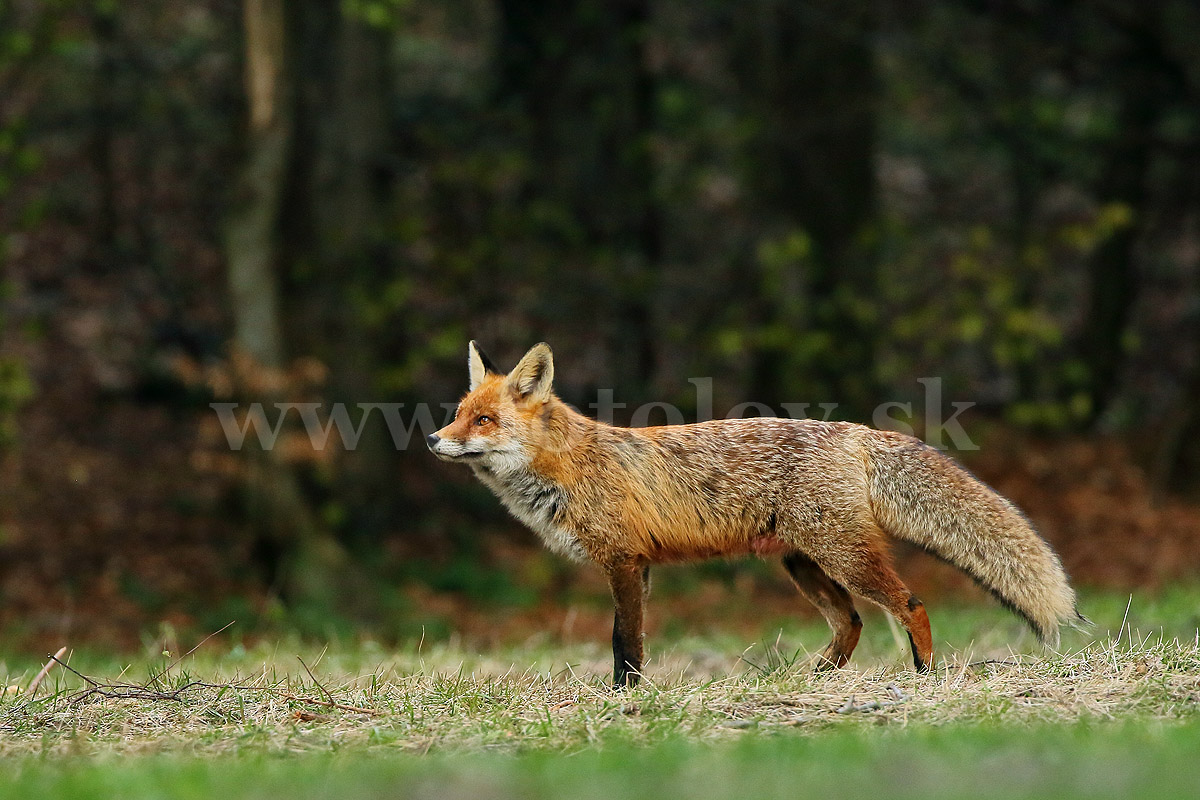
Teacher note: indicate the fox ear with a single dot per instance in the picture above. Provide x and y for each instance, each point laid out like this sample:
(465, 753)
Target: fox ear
(532, 378)
(479, 365)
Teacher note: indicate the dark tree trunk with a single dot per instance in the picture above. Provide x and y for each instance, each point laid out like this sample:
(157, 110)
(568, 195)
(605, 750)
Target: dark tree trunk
(808, 75)
(1113, 275)
(251, 233)
(104, 119)
(340, 191)
(577, 74)
(302, 556)
(633, 155)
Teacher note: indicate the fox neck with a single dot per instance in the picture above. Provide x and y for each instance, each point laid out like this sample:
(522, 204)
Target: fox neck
(533, 485)
(537, 501)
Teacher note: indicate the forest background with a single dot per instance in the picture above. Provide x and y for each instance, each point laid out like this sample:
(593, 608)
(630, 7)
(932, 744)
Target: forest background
(210, 201)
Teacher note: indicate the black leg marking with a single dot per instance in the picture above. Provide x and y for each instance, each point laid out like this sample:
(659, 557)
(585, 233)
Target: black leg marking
(920, 665)
(624, 672)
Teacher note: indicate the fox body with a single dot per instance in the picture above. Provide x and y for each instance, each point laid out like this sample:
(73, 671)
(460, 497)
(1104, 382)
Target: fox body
(823, 496)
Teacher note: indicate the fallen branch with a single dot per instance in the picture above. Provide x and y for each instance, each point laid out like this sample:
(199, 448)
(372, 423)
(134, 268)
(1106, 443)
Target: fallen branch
(328, 704)
(130, 691)
(203, 641)
(324, 691)
(41, 676)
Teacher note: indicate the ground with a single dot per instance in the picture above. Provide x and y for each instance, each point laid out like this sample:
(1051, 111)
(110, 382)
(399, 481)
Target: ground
(1116, 709)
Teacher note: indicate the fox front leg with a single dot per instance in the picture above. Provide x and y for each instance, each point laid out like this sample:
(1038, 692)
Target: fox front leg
(630, 585)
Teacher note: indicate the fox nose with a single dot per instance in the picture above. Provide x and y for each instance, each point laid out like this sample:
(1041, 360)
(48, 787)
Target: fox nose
(432, 439)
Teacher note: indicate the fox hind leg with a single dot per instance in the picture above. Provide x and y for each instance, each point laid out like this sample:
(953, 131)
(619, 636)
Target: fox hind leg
(865, 568)
(835, 605)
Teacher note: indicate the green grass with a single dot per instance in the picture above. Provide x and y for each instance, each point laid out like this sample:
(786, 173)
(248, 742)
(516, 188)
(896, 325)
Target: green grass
(1109, 715)
(1085, 761)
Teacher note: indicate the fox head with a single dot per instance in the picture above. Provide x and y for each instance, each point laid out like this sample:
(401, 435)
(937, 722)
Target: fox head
(504, 419)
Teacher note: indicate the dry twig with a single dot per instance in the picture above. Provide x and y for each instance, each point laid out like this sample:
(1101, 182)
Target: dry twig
(41, 676)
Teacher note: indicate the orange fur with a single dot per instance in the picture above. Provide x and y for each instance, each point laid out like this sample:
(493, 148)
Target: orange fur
(825, 495)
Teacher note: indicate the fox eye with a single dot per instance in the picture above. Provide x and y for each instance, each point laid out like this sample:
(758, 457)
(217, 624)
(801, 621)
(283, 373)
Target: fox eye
(484, 419)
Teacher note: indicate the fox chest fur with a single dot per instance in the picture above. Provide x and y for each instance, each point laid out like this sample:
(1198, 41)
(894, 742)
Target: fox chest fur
(539, 503)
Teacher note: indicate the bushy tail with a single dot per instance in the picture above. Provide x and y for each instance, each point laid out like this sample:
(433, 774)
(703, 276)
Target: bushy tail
(921, 496)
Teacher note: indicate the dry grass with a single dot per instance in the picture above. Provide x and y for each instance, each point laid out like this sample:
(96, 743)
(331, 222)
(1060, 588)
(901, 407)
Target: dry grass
(1109, 717)
(447, 699)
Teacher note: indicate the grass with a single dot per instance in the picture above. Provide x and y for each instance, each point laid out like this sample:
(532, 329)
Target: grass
(1058, 762)
(1117, 709)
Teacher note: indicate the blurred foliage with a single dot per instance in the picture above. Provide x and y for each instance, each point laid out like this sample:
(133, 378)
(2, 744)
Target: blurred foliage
(16, 389)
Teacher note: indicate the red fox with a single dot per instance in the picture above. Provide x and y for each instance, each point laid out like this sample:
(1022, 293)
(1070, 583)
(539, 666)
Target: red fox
(824, 496)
